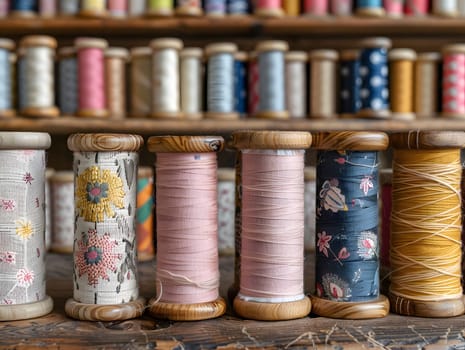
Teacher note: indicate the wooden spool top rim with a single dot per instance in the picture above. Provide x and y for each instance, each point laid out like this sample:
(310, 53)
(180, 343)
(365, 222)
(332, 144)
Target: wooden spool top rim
(310, 173)
(299, 56)
(271, 45)
(351, 140)
(380, 42)
(402, 54)
(226, 174)
(62, 176)
(104, 142)
(7, 44)
(323, 55)
(38, 40)
(185, 144)
(385, 176)
(86, 43)
(241, 56)
(12, 140)
(66, 51)
(196, 52)
(429, 56)
(144, 171)
(117, 52)
(166, 43)
(349, 55)
(453, 48)
(216, 48)
(271, 139)
(141, 51)
(428, 139)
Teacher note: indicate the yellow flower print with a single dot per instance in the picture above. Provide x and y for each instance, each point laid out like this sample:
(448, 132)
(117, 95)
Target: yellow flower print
(98, 192)
(24, 228)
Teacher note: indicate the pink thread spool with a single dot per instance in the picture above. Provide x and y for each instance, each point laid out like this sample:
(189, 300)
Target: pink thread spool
(269, 8)
(47, 8)
(92, 100)
(271, 276)
(417, 7)
(187, 249)
(118, 8)
(317, 8)
(341, 7)
(4, 8)
(394, 8)
(453, 81)
(254, 96)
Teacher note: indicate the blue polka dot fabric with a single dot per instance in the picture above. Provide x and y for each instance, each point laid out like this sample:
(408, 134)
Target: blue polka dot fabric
(350, 83)
(374, 74)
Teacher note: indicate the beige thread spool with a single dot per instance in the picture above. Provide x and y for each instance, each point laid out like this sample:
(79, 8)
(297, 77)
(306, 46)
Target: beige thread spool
(165, 78)
(461, 8)
(93, 8)
(402, 83)
(323, 83)
(141, 82)
(296, 83)
(191, 67)
(39, 80)
(115, 85)
(426, 84)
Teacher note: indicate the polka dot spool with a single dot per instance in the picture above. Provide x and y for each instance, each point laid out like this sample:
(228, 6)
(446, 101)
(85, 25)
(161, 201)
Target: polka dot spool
(118, 8)
(159, 8)
(23, 8)
(427, 73)
(47, 8)
(68, 7)
(6, 81)
(39, 77)
(165, 78)
(394, 8)
(453, 81)
(350, 83)
(268, 8)
(192, 73)
(252, 81)
(271, 82)
(341, 7)
(220, 81)
(374, 73)
(323, 83)
(296, 83)
(67, 81)
(22, 253)
(189, 8)
(116, 59)
(401, 83)
(93, 8)
(445, 8)
(240, 82)
(316, 8)
(369, 8)
(417, 8)
(136, 8)
(141, 82)
(291, 7)
(215, 8)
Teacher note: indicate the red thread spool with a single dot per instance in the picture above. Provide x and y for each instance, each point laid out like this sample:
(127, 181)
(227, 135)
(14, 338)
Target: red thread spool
(417, 7)
(453, 81)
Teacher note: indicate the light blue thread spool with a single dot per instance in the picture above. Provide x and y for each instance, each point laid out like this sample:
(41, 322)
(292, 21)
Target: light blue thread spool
(215, 8)
(271, 83)
(24, 8)
(220, 81)
(369, 8)
(67, 81)
(6, 107)
(238, 7)
(69, 7)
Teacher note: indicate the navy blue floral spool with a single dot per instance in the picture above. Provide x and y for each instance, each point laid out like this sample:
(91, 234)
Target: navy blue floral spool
(350, 83)
(23, 8)
(374, 74)
(347, 243)
(238, 7)
(240, 83)
(369, 8)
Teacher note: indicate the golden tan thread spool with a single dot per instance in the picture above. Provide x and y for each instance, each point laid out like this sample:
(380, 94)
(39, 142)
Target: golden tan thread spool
(93, 8)
(291, 7)
(141, 82)
(401, 83)
(115, 81)
(426, 84)
(426, 224)
(191, 71)
(323, 83)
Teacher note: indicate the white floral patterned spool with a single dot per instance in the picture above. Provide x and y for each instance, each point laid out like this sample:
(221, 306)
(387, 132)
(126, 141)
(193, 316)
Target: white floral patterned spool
(22, 225)
(226, 210)
(62, 203)
(105, 263)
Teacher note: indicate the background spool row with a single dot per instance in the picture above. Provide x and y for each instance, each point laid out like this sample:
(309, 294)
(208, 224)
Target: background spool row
(167, 80)
(218, 8)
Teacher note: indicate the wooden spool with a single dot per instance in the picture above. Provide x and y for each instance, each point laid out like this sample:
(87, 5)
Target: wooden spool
(175, 311)
(9, 45)
(271, 140)
(99, 146)
(427, 140)
(353, 141)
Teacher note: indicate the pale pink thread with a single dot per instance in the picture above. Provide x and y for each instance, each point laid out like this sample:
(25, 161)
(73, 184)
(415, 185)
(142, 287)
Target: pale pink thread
(187, 247)
(272, 226)
(269, 4)
(91, 79)
(316, 7)
(118, 7)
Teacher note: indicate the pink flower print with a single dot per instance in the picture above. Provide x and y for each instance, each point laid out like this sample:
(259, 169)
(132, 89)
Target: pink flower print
(323, 242)
(366, 184)
(27, 178)
(336, 291)
(367, 245)
(319, 290)
(340, 160)
(343, 254)
(8, 258)
(7, 301)
(25, 277)
(8, 204)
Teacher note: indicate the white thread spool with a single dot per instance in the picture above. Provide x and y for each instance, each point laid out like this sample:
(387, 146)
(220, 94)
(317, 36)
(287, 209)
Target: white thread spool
(165, 78)
(68, 7)
(115, 81)
(296, 83)
(191, 82)
(93, 8)
(136, 8)
(6, 81)
(445, 8)
(271, 79)
(323, 83)
(62, 205)
(48, 208)
(141, 82)
(220, 81)
(226, 210)
(39, 53)
(22, 222)
(67, 81)
(426, 84)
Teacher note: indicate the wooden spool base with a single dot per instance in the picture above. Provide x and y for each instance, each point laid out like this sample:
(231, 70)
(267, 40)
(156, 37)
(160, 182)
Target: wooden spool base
(23, 14)
(370, 12)
(160, 13)
(447, 14)
(453, 115)
(40, 112)
(26, 311)
(93, 14)
(347, 116)
(92, 113)
(188, 11)
(440, 308)
(7, 113)
(272, 311)
(145, 257)
(403, 116)
(166, 115)
(353, 311)
(193, 116)
(222, 116)
(61, 249)
(272, 115)
(187, 312)
(370, 114)
(111, 312)
(265, 12)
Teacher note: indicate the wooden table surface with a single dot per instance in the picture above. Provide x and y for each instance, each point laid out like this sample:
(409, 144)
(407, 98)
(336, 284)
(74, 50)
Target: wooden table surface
(56, 331)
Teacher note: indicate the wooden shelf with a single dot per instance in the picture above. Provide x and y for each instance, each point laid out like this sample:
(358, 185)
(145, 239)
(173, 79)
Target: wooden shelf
(67, 125)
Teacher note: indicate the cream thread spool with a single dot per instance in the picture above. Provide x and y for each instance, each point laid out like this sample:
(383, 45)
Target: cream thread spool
(159, 8)
(461, 8)
(68, 7)
(220, 81)
(47, 8)
(22, 256)
(141, 82)
(39, 54)
(188, 8)
(105, 262)
(191, 67)
(426, 84)
(115, 81)
(67, 81)
(272, 300)
(165, 78)
(401, 82)
(93, 8)
(445, 8)
(323, 82)
(48, 208)
(271, 81)
(62, 209)
(226, 210)
(296, 83)
(6, 79)
(136, 8)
